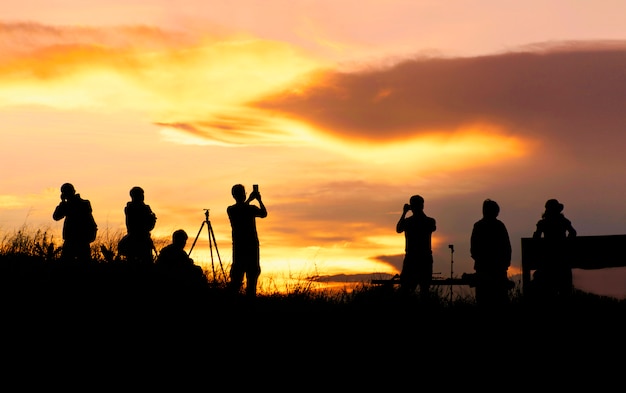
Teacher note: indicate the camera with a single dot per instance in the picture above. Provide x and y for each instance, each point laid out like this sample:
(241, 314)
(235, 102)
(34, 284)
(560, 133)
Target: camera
(255, 187)
(451, 247)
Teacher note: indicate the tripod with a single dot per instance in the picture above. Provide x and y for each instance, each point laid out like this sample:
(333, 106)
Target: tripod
(451, 247)
(212, 242)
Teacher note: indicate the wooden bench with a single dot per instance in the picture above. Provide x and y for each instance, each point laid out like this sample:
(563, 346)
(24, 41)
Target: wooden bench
(583, 252)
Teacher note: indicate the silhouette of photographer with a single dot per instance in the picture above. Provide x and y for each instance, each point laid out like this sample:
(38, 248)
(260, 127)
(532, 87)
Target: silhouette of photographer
(137, 245)
(554, 277)
(245, 239)
(490, 247)
(417, 267)
(79, 227)
(174, 254)
(176, 261)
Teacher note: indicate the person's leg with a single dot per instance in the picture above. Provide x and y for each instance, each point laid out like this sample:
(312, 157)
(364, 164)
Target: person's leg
(71, 251)
(425, 276)
(566, 285)
(84, 253)
(408, 277)
(251, 283)
(236, 278)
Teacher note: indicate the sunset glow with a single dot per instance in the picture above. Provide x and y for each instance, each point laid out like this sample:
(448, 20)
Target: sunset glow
(340, 112)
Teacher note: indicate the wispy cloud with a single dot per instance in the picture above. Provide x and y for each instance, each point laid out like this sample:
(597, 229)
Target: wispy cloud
(192, 81)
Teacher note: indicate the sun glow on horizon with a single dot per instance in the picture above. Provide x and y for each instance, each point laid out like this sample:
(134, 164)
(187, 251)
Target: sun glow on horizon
(467, 147)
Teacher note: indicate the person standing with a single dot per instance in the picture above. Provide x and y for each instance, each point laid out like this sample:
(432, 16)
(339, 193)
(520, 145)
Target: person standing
(79, 227)
(137, 245)
(555, 276)
(490, 248)
(245, 239)
(417, 267)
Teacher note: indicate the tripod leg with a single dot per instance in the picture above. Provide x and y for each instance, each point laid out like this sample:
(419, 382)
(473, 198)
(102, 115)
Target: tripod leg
(196, 239)
(216, 250)
(211, 248)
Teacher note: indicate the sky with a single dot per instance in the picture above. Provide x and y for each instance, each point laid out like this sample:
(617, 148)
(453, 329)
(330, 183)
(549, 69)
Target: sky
(339, 110)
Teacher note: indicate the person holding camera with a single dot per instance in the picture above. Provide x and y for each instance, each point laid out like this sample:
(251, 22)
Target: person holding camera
(417, 267)
(245, 239)
(79, 227)
(137, 245)
(490, 248)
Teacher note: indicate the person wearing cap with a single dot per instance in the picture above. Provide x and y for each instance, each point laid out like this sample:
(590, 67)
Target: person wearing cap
(555, 276)
(79, 227)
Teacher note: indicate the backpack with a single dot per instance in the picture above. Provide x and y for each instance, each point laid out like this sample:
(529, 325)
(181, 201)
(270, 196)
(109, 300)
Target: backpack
(151, 220)
(91, 228)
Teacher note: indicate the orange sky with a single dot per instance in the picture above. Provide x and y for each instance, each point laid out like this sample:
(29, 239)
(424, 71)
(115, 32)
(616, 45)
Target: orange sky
(340, 112)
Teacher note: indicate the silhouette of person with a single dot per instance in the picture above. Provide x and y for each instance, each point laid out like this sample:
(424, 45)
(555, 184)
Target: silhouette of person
(174, 254)
(175, 260)
(555, 276)
(79, 227)
(490, 247)
(137, 245)
(417, 267)
(245, 239)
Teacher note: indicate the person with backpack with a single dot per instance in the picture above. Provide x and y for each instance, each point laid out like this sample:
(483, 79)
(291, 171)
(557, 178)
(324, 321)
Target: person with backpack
(79, 227)
(137, 245)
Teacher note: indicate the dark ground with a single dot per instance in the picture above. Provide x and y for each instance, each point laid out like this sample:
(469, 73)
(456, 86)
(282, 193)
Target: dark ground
(118, 326)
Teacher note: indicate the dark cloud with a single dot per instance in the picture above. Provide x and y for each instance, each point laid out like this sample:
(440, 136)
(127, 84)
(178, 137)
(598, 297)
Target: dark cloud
(550, 91)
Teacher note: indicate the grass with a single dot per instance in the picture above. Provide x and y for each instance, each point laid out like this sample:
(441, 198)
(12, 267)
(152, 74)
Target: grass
(36, 286)
(30, 264)
(106, 318)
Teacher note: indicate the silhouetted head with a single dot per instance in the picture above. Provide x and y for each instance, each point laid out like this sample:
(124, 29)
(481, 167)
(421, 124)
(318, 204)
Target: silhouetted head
(179, 237)
(239, 192)
(68, 190)
(554, 206)
(136, 193)
(490, 208)
(416, 202)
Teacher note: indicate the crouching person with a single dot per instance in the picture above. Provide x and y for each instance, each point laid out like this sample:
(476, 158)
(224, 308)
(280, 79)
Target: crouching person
(175, 261)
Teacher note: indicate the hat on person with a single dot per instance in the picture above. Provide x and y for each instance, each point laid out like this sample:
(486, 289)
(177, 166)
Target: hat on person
(554, 205)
